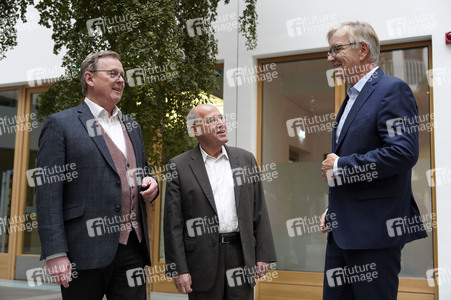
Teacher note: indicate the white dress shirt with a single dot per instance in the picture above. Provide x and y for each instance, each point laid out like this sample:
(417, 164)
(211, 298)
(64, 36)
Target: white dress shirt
(220, 176)
(353, 92)
(112, 125)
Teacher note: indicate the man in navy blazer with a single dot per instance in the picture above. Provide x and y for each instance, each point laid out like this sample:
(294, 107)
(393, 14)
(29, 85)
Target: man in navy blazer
(96, 222)
(374, 147)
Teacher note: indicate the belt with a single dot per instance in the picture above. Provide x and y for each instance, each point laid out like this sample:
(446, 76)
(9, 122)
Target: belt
(230, 237)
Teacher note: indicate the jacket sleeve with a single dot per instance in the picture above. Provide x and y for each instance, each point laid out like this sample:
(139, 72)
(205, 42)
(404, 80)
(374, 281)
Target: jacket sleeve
(264, 247)
(49, 196)
(173, 224)
(147, 170)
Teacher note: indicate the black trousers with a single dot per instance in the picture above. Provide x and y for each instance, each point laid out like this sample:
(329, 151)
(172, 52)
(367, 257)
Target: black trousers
(227, 285)
(361, 274)
(112, 280)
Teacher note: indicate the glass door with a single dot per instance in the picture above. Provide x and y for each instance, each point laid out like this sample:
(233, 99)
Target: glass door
(298, 115)
(411, 65)
(9, 112)
(28, 243)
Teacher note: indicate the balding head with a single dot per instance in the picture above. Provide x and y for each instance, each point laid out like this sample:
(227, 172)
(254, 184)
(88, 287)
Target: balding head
(207, 124)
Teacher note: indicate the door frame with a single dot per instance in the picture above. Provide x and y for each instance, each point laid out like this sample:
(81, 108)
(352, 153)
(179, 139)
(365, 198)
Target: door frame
(19, 182)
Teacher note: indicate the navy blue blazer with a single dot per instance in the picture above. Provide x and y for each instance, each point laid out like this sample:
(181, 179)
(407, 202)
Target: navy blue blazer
(371, 203)
(65, 208)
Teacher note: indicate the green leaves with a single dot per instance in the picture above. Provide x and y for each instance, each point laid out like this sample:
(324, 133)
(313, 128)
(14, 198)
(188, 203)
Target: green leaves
(167, 52)
(248, 24)
(10, 12)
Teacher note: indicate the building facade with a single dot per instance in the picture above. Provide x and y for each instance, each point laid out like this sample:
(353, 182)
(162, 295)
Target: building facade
(285, 98)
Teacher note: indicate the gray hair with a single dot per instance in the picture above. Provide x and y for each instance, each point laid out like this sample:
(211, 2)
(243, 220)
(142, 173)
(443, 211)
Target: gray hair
(360, 32)
(90, 64)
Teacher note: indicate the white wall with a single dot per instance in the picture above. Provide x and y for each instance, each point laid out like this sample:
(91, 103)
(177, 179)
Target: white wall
(34, 50)
(420, 20)
(394, 21)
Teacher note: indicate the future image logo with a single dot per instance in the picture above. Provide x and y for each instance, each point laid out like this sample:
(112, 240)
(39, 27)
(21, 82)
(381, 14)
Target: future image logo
(410, 225)
(195, 27)
(438, 276)
(438, 176)
(46, 175)
(310, 24)
(309, 224)
(244, 275)
(347, 275)
(415, 24)
(396, 127)
(135, 77)
(248, 75)
(108, 225)
(200, 226)
(39, 276)
(332, 79)
(95, 26)
(114, 24)
(235, 77)
(136, 277)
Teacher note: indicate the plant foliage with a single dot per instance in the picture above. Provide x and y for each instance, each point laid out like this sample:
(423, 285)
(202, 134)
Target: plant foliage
(154, 38)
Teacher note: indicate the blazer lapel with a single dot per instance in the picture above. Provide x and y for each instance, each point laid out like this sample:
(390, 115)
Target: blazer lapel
(87, 119)
(337, 120)
(198, 167)
(363, 96)
(134, 138)
(235, 163)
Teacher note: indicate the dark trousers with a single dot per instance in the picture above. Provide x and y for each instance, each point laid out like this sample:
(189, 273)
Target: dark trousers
(361, 274)
(113, 280)
(227, 286)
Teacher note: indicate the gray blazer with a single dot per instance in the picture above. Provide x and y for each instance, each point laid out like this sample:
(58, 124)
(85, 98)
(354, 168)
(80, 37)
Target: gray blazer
(66, 208)
(189, 196)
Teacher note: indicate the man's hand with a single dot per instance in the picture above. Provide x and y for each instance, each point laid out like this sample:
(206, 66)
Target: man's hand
(327, 166)
(152, 190)
(323, 224)
(183, 283)
(262, 269)
(60, 268)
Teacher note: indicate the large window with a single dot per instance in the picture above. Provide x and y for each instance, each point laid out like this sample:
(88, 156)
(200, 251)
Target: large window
(31, 242)
(411, 65)
(297, 115)
(19, 132)
(8, 113)
(291, 140)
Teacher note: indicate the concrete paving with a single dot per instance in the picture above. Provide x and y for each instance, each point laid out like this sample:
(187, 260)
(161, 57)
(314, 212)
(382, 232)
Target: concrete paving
(20, 290)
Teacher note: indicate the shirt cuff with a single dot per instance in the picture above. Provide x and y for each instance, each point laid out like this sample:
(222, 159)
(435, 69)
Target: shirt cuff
(336, 173)
(56, 255)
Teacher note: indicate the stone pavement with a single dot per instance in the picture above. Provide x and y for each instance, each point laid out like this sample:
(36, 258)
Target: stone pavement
(20, 290)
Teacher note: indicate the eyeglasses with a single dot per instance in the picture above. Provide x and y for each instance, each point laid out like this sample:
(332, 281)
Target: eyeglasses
(113, 74)
(335, 49)
(214, 120)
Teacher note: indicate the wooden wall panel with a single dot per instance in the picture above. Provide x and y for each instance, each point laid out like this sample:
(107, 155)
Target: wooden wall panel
(309, 286)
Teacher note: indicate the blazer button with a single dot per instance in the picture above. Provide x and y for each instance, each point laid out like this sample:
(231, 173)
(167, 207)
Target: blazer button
(118, 208)
(118, 183)
(213, 244)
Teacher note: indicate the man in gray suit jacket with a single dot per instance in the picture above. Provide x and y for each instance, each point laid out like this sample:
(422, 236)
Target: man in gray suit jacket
(96, 222)
(216, 225)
